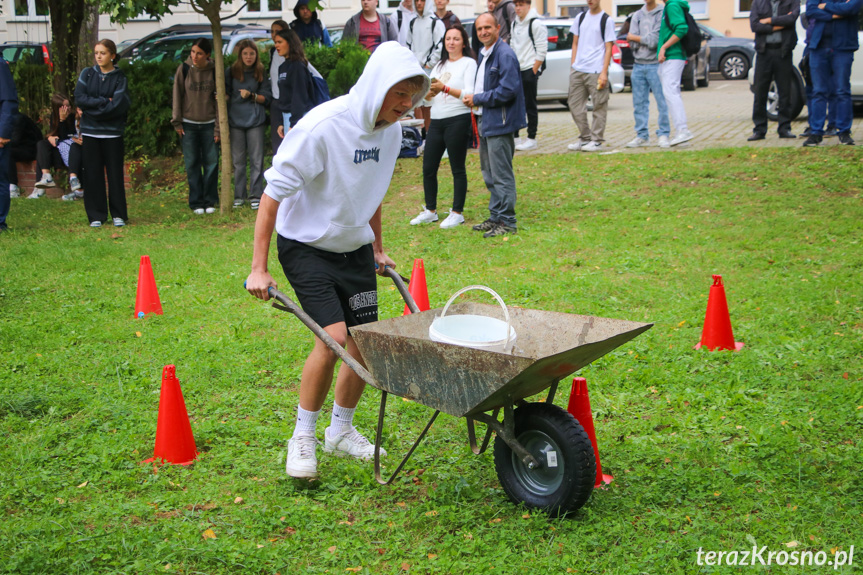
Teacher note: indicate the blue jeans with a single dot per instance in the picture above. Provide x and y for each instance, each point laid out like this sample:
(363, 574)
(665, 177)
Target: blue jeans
(644, 80)
(202, 164)
(831, 78)
(4, 186)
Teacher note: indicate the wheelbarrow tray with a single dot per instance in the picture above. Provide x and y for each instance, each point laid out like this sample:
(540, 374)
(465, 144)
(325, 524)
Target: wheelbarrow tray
(462, 381)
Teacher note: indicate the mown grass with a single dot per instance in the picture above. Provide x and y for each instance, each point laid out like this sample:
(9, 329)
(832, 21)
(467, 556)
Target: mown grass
(708, 450)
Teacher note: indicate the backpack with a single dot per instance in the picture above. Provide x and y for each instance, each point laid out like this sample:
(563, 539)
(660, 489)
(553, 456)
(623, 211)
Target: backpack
(435, 20)
(602, 22)
(411, 141)
(320, 89)
(532, 41)
(691, 43)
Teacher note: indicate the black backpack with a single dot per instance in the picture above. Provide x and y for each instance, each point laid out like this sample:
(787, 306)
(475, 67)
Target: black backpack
(532, 41)
(691, 43)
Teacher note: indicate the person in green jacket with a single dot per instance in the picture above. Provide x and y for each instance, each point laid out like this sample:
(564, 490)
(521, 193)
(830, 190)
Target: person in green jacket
(672, 59)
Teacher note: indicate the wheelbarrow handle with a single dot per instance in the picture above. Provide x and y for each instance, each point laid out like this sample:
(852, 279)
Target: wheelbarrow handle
(403, 290)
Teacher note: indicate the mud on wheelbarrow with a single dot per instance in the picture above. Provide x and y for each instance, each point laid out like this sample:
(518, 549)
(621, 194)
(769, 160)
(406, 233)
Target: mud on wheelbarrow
(542, 455)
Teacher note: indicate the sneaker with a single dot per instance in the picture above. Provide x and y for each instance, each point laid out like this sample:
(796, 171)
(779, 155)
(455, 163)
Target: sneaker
(301, 461)
(238, 203)
(519, 141)
(96, 224)
(425, 217)
(831, 132)
(421, 148)
(255, 204)
(575, 146)
(812, 141)
(210, 210)
(70, 197)
(350, 442)
(37, 193)
(500, 230)
(682, 136)
(452, 220)
(527, 144)
(198, 211)
(485, 226)
(591, 146)
(46, 182)
(638, 142)
(14, 191)
(74, 183)
(663, 142)
(846, 140)
(119, 223)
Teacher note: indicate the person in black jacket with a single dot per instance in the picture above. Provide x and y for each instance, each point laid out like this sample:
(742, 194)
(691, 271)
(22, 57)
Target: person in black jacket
(104, 102)
(773, 22)
(295, 80)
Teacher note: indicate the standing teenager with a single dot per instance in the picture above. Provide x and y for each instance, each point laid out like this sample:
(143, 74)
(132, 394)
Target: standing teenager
(104, 102)
(672, 59)
(275, 112)
(295, 80)
(450, 126)
(8, 109)
(248, 97)
(323, 197)
(196, 119)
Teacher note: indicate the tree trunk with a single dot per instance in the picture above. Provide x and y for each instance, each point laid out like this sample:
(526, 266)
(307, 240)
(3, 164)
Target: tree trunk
(88, 38)
(66, 22)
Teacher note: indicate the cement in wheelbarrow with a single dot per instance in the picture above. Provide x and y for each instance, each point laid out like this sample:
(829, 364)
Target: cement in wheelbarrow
(462, 381)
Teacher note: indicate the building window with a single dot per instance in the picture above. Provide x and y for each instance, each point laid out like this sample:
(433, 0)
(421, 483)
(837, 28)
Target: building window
(263, 8)
(571, 8)
(624, 8)
(698, 8)
(31, 9)
(742, 7)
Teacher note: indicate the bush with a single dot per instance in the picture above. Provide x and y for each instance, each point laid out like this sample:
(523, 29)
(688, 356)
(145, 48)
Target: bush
(33, 82)
(341, 65)
(148, 128)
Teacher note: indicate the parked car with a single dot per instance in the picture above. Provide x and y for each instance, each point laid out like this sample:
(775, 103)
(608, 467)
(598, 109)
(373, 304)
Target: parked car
(731, 57)
(335, 33)
(798, 86)
(199, 30)
(28, 52)
(696, 72)
(177, 47)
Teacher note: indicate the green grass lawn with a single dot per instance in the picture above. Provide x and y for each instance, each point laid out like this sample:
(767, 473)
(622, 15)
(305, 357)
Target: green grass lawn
(715, 451)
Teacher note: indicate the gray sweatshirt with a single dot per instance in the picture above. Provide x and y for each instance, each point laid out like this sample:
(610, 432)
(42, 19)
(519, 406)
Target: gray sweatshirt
(246, 113)
(646, 24)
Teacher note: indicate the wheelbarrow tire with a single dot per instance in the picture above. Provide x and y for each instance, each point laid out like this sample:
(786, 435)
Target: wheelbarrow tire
(544, 429)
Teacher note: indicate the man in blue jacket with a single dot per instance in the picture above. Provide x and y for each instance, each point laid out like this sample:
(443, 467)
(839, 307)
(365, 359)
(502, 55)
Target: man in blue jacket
(8, 109)
(500, 112)
(831, 48)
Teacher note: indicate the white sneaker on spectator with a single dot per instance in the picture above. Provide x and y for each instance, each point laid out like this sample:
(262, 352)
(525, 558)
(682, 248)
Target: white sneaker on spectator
(301, 460)
(682, 136)
(255, 204)
(95, 224)
(451, 221)
(527, 144)
(425, 217)
(118, 222)
(575, 146)
(75, 184)
(210, 210)
(198, 211)
(46, 182)
(238, 203)
(591, 147)
(519, 141)
(71, 196)
(14, 191)
(350, 442)
(37, 193)
(663, 142)
(637, 142)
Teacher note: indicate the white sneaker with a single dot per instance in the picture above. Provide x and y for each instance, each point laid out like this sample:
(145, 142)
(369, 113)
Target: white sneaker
(95, 224)
(637, 142)
(519, 141)
(663, 142)
(591, 147)
(46, 182)
(72, 196)
(682, 136)
(210, 210)
(527, 144)
(198, 211)
(575, 146)
(14, 191)
(452, 220)
(238, 203)
(301, 461)
(425, 217)
(119, 223)
(350, 442)
(75, 184)
(37, 193)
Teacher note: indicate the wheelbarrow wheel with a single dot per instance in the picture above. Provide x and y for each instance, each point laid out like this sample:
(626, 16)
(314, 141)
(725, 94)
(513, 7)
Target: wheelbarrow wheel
(564, 479)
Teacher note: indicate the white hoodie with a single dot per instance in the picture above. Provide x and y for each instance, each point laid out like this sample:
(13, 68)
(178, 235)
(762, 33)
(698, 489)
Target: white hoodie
(521, 44)
(425, 37)
(334, 167)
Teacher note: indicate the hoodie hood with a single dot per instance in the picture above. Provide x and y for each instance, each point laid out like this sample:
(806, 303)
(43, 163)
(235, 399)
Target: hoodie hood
(210, 65)
(428, 9)
(388, 65)
(297, 10)
(532, 13)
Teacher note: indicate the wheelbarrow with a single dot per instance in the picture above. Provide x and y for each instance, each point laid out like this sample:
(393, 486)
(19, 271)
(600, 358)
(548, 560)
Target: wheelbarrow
(542, 455)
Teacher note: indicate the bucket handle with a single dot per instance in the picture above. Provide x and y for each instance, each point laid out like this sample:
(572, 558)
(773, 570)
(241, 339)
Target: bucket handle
(496, 296)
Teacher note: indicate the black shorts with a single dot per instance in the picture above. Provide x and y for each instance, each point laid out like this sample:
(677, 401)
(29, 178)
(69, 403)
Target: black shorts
(332, 287)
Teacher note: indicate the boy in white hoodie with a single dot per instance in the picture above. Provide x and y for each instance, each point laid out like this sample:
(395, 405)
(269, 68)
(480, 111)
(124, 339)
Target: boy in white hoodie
(323, 197)
(529, 41)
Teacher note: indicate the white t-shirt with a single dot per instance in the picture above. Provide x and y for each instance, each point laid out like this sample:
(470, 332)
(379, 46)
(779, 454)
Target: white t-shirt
(591, 47)
(461, 77)
(480, 75)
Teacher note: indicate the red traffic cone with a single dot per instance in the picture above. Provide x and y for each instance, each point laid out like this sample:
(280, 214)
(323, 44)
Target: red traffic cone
(174, 441)
(717, 323)
(417, 287)
(579, 407)
(147, 299)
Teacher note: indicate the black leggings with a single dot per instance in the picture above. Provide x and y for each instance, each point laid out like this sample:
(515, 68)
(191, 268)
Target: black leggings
(450, 134)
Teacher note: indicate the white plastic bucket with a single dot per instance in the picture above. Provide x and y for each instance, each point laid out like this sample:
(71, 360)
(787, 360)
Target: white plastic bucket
(475, 331)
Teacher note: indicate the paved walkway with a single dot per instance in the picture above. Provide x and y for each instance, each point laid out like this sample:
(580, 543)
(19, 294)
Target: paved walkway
(720, 116)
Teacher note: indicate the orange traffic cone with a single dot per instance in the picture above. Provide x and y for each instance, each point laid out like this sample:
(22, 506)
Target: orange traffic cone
(717, 323)
(579, 407)
(417, 288)
(147, 299)
(174, 441)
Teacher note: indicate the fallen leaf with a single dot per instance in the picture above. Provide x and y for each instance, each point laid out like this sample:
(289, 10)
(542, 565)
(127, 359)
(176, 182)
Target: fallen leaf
(332, 549)
(289, 530)
(208, 534)
(526, 516)
(783, 422)
(238, 500)
(401, 504)
(406, 566)
(432, 556)
(60, 500)
(845, 375)
(345, 523)
(353, 569)
(792, 544)
(168, 566)
(83, 484)
(667, 460)
(260, 546)
(138, 333)
(717, 494)
(688, 519)
(381, 551)
(496, 520)
(431, 513)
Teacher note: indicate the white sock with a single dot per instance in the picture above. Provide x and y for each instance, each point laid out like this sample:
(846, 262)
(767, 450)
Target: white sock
(306, 421)
(342, 419)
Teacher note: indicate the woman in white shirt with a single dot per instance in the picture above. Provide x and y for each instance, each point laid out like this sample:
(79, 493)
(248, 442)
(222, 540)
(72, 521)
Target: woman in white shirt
(452, 78)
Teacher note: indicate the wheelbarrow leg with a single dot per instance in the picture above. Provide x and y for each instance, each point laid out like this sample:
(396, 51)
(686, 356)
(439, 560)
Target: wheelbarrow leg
(471, 435)
(379, 434)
